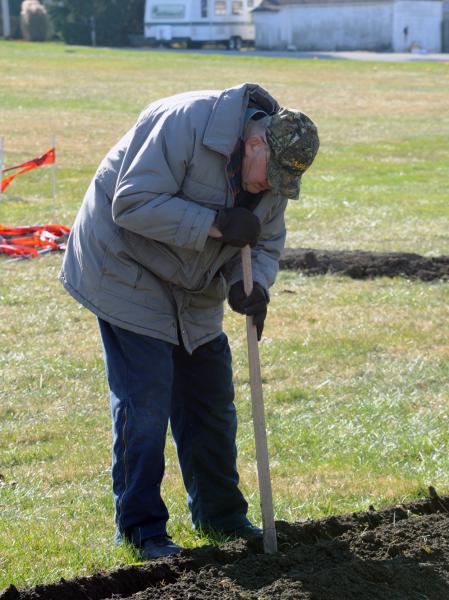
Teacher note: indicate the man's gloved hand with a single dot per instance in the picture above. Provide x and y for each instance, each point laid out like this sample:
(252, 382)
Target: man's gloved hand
(255, 304)
(238, 226)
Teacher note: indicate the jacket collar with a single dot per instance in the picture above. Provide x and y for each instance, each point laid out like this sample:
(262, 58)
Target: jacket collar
(227, 119)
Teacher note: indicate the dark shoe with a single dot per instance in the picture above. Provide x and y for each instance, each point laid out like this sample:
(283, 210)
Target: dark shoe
(157, 546)
(245, 531)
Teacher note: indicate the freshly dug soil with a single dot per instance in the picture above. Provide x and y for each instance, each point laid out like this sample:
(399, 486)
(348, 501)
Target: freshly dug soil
(364, 265)
(397, 553)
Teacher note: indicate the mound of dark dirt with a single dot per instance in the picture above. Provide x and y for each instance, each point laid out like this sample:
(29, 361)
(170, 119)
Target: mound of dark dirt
(398, 553)
(364, 265)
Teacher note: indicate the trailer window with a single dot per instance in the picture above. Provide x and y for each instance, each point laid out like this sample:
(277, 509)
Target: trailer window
(237, 7)
(204, 8)
(220, 7)
(168, 11)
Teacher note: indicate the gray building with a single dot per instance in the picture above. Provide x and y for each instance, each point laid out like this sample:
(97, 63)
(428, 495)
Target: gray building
(390, 25)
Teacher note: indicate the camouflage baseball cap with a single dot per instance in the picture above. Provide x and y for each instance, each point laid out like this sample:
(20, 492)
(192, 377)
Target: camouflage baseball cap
(293, 141)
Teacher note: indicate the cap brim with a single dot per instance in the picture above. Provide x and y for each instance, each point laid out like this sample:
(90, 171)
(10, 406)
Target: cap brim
(283, 182)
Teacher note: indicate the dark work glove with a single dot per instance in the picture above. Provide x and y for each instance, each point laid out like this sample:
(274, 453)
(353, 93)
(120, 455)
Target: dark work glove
(238, 226)
(255, 304)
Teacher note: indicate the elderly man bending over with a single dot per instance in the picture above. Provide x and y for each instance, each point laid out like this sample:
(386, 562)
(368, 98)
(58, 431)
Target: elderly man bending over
(153, 253)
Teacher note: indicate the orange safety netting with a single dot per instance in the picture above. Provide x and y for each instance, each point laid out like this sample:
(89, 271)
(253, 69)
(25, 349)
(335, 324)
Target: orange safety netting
(31, 241)
(46, 159)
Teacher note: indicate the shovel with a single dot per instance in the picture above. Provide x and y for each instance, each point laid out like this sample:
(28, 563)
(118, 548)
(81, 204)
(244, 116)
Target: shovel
(263, 467)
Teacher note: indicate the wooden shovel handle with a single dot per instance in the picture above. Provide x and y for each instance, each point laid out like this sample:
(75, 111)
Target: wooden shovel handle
(260, 432)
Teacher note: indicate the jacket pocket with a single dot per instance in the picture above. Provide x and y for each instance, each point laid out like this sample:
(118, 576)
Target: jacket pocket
(119, 273)
(201, 193)
(211, 296)
(155, 257)
(185, 268)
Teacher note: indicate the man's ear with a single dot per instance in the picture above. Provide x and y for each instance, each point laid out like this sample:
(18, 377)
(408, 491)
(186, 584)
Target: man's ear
(253, 143)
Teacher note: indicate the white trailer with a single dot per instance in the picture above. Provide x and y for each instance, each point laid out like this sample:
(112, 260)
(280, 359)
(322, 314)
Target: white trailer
(198, 22)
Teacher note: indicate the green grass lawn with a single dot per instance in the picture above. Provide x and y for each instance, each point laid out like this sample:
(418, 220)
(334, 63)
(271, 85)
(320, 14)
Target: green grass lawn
(355, 372)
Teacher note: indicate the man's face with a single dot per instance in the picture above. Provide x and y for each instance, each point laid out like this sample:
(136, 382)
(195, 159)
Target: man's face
(254, 165)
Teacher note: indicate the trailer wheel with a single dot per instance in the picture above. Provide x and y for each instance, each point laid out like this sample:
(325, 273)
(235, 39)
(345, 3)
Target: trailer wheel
(235, 43)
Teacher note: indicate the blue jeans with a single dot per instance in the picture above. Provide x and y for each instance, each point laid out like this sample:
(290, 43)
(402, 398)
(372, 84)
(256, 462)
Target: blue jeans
(153, 382)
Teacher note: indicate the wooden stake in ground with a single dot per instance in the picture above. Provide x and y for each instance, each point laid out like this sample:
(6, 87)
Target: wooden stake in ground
(1, 165)
(263, 467)
(53, 176)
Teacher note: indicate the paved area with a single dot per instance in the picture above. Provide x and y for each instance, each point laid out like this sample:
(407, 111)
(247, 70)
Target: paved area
(368, 56)
(353, 55)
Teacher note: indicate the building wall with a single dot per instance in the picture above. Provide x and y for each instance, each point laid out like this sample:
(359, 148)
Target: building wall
(271, 30)
(327, 27)
(378, 25)
(419, 24)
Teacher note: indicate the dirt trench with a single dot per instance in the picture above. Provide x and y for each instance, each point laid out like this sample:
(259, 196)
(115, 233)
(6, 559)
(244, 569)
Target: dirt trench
(359, 264)
(397, 553)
